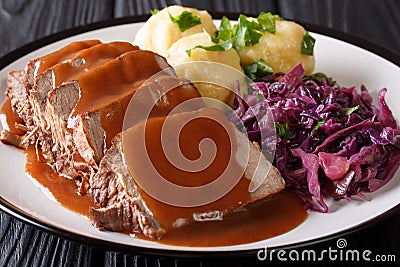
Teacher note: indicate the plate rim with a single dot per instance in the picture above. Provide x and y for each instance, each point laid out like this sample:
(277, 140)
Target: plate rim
(39, 224)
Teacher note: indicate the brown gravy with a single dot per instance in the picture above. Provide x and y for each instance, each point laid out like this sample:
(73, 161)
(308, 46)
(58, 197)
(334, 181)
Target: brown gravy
(11, 117)
(87, 59)
(263, 220)
(75, 61)
(64, 190)
(201, 124)
(47, 61)
(260, 221)
(108, 75)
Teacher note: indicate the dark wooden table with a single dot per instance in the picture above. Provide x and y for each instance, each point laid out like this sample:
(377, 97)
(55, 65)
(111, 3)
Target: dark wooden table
(23, 21)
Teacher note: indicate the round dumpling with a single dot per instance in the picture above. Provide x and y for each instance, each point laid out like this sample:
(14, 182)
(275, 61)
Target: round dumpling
(206, 75)
(159, 32)
(281, 50)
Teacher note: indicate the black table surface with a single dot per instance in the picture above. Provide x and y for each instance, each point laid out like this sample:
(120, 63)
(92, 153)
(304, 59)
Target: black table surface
(23, 21)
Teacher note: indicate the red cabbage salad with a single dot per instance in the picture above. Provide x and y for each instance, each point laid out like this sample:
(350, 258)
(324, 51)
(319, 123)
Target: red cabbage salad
(331, 141)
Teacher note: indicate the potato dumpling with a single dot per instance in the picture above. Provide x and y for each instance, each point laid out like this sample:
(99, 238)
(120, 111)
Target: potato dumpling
(159, 32)
(226, 73)
(281, 50)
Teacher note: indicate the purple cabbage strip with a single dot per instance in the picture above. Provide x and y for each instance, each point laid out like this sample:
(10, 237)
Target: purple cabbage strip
(311, 164)
(322, 117)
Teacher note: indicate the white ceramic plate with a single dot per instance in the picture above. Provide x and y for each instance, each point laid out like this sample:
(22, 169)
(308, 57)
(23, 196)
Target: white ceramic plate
(347, 63)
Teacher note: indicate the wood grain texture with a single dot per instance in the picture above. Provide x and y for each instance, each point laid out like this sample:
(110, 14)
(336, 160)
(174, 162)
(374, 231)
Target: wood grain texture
(22, 21)
(139, 7)
(374, 20)
(23, 245)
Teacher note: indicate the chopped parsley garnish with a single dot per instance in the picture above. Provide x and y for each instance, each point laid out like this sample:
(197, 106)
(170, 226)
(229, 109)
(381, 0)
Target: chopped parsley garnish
(246, 32)
(267, 21)
(225, 29)
(319, 123)
(319, 76)
(307, 46)
(348, 111)
(257, 70)
(185, 20)
(282, 130)
(218, 47)
(259, 96)
(154, 11)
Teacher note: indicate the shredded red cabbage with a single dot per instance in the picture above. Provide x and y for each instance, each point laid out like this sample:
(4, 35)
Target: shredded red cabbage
(332, 141)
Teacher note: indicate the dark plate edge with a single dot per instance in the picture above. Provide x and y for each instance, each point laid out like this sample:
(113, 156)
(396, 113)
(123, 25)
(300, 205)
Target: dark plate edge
(107, 245)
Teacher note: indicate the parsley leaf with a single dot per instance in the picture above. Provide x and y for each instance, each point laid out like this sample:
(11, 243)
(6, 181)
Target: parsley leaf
(348, 111)
(307, 46)
(257, 70)
(259, 96)
(282, 130)
(225, 29)
(154, 11)
(319, 123)
(267, 21)
(185, 20)
(246, 33)
(218, 47)
(320, 76)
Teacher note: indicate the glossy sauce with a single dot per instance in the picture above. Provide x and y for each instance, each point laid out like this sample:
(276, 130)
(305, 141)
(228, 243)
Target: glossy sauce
(64, 190)
(282, 213)
(205, 123)
(87, 59)
(73, 62)
(260, 221)
(108, 75)
(255, 222)
(118, 80)
(115, 80)
(46, 62)
(11, 117)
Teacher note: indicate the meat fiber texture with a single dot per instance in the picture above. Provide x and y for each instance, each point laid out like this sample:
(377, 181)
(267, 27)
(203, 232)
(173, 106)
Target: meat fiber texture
(46, 99)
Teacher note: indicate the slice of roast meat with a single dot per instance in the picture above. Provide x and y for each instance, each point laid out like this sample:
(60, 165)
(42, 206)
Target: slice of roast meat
(18, 95)
(73, 100)
(72, 64)
(28, 90)
(39, 65)
(32, 70)
(124, 205)
(85, 113)
(63, 74)
(121, 205)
